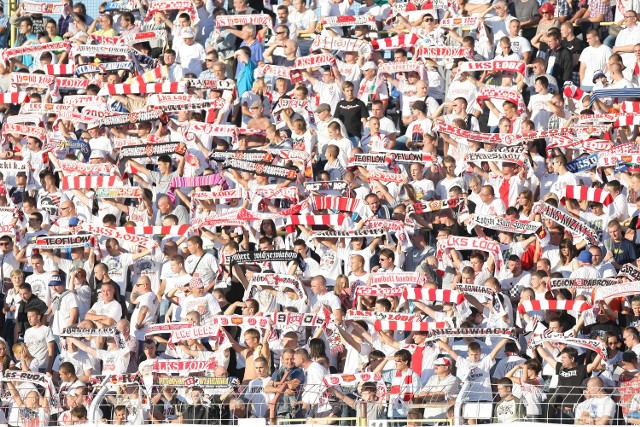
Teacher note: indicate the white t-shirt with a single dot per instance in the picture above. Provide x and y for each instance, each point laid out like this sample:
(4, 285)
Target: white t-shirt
(118, 266)
(36, 340)
(149, 300)
(594, 58)
(112, 309)
(62, 316)
(206, 305)
(114, 362)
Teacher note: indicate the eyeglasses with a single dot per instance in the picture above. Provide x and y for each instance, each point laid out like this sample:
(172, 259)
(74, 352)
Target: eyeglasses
(281, 32)
(612, 343)
(140, 284)
(428, 20)
(5, 243)
(209, 60)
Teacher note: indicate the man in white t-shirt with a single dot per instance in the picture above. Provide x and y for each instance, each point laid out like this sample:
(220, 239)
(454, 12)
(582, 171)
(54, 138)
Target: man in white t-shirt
(119, 262)
(593, 57)
(39, 341)
(146, 310)
(64, 306)
(106, 311)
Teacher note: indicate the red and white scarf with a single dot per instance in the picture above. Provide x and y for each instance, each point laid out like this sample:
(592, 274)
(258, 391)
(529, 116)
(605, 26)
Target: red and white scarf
(444, 52)
(588, 193)
(128, 89)
(503, 94)
(162, 230)
(471, 243)
(59, 69)
(443, 295)
(574, 225)
(169, 5)
(223, 21)
(121, 236)
(496, 65)
(33, 48)
(568, 305)
(414, 326)
(394, 279)
(402, 387)
(616, 291)
(342, 45)
(504, 224)
(395, 42)
(465, 21)
(347, 21)
(313, 61)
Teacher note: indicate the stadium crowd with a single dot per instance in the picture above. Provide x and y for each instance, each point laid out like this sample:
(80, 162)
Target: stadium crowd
(420, 210)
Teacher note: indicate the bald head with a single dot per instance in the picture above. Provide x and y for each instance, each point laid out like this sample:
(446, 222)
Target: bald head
(165, 205)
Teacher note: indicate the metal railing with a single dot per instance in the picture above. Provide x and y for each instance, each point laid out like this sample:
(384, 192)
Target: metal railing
(227, 405)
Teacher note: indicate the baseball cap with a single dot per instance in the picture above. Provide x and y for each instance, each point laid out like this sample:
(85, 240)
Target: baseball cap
(323, 107)
(442, 361)
(196, 282)
(598, 75)
(74, 221)
(56, 280)
(369, 65)
(585, 257)
(547, 8)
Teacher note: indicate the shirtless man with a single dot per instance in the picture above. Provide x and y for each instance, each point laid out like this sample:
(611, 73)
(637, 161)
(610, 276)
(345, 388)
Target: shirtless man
(252, 351)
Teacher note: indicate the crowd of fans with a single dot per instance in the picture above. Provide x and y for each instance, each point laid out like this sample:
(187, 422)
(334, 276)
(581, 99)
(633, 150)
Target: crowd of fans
(212, 211)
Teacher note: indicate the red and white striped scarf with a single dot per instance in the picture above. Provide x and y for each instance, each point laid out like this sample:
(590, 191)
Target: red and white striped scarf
(503, 94)
(443, 295)
(415, 326)
(573, 92)
(568, 305)
(588, 193)
(169, 5)
(14, 97)
(310, 220)
(402, 387)
(343, 204)
(59, 69)
(156, 75)
(395, 42)
(164, 230)
(87, 182)
(128, 89)
(347, 21)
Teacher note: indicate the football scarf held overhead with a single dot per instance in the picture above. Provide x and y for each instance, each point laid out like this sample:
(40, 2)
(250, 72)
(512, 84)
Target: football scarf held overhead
(556, 337)
(503, 94)
(62, 241)
(617, 290)
(471, 243)
(33, 48)
(254, 257)
(144, 36)
(332, 234)
(119, 235)
(581, 284)
(14, 97)
(396, 42)
(195, 333)
(211, 84)
(443, 52)
(434, 205)
(347, 21)
(143, 89)
(117, 192)
(364, 291)
(466, 21)
(207, 383)
(587, 193)
(157, 230)
(342, 45)
(442, 295)
(135, 117)
(568, 305)
(248, 155)
(493, 156)
(343, 204)
(223, 320)
(223, 21)
(48, 8)
(512, 66)
(372, 316)
(393, 279)
(262, 168)
(631, 271)
(110, 332)
(405, 156)
(100, 50)
(574, 225)
(313, 61)
(318, 186)
(176, 366)
(437, 334)
(16, 128)
(161, 328)
(283, 320)
(87, 182)
(336, 220)
(583, 163)
(151, 150)
(516, 226)
(413, 326)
